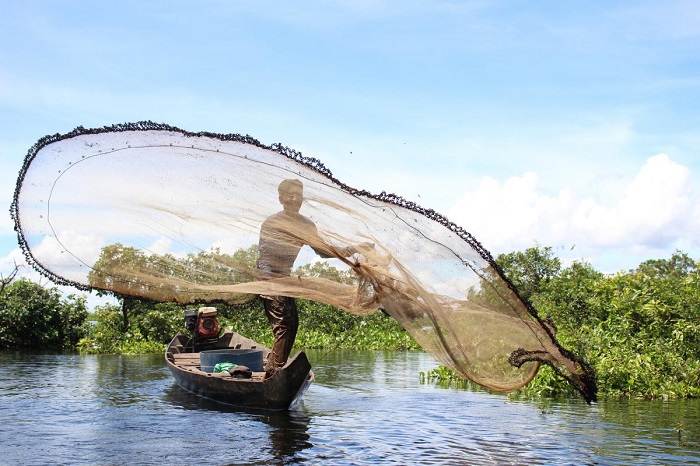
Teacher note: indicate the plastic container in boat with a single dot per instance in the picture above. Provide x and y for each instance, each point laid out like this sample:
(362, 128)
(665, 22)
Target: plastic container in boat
(252, 358)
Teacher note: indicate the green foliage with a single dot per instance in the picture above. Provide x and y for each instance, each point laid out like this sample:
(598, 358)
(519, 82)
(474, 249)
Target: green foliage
(32, 316)
(325, 270)
(645, 340)
(547, 384)
(680, 265)
(106, 335)
(323, 326)
(151, 329)
(570, 298)
(160, 322)
(126, 273)
(320, 326)
(446, 378)
(248, 320)
(530, 270)
(639, 329)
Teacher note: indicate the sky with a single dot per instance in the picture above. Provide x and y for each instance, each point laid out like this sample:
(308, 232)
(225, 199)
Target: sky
(572, 125)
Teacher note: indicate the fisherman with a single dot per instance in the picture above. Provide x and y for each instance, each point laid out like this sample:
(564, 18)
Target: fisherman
(282, 236)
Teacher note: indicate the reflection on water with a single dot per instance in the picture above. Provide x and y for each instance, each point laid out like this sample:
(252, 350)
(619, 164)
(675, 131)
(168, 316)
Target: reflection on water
(364, 408)
(287, 431)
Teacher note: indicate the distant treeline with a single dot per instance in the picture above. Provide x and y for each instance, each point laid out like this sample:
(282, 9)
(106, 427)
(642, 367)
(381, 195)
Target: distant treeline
(640, 329)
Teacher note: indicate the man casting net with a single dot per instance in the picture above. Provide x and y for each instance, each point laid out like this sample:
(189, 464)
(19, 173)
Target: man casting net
(152, 211)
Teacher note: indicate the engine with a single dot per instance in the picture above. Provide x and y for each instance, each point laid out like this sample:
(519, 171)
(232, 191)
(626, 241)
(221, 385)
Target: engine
(207, 323)
(202, 323)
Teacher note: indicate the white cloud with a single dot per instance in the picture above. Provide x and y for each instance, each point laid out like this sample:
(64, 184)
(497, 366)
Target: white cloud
(161, 246)
(8, 263)
(652, 211)
(69, 255)
(16, 258)
(657, 209)
(85, 247)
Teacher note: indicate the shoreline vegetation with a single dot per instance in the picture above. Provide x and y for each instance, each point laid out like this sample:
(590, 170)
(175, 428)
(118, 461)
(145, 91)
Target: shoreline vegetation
(639, 329)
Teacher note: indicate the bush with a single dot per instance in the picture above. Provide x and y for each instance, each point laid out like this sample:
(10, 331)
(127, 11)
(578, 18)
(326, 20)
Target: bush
(32, 316)
(322, 326)
(638, 329)
(149, 331)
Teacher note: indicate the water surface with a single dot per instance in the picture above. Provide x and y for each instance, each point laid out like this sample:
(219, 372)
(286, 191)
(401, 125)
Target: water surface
(363, 408)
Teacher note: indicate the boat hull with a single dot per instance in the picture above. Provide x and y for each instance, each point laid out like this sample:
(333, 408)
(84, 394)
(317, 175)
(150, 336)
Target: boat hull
(283, 391)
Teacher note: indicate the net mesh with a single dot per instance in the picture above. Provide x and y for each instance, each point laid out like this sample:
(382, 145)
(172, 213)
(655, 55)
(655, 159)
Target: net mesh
(152, 211)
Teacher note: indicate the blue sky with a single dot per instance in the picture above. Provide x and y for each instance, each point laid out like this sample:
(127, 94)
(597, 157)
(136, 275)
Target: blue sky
(571, 125)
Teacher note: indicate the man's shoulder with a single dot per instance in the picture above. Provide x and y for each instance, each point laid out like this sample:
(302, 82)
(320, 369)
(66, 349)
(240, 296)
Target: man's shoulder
(283, 217)
(272, 219)
(304, 219)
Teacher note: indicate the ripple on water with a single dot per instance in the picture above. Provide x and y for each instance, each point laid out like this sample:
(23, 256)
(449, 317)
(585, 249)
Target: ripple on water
(364, 408)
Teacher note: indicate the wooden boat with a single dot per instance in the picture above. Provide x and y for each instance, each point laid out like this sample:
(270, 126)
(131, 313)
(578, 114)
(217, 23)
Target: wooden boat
(284, 390)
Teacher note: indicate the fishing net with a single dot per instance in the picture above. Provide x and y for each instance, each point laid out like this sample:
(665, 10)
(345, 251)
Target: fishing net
(151, 211)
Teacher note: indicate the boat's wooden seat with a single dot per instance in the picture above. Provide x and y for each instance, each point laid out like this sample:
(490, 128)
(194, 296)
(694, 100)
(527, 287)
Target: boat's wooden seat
(186, 355)
(186, 359)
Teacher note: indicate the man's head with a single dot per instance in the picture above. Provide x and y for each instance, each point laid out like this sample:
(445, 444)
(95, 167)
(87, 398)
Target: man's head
(291, 195)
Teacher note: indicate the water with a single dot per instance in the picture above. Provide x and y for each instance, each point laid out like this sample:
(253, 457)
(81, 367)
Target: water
(364, 408)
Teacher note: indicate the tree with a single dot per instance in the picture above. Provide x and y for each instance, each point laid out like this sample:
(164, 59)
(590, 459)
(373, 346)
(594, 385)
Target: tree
(110, 274)
(531, 269)
(139, 280)
(323, 269)
(5, 281)
(569, 297)
(639, 328)
(679, 265)
(32, 316)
